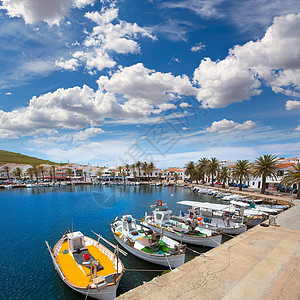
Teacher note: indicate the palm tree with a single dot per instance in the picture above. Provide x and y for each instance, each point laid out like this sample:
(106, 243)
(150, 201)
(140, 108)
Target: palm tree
(124, 175)
(292, 177)
(41, 169)
(30, 173)
(17, 173)
(223, 176)
(265, 166)
(202, 168)
(99, 173)
(6, 169)
(113, 174)
(134, 175)
(151, 168)
(145, 167)
(69, 171)
(242, 170)
(127, 169)
(190, 170)
(84, 173)
(213, 168)
(120, 172)
(36, 173)
(138, 165)
(175, 177)
(53, 168)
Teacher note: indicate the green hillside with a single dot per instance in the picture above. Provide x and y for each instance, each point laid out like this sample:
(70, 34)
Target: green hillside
(17, 158)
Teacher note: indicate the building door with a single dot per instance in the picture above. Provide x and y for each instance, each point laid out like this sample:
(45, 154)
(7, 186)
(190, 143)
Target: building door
(259, 184)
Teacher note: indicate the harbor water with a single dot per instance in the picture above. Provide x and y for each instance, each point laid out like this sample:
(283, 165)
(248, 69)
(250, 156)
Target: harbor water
(31, 216)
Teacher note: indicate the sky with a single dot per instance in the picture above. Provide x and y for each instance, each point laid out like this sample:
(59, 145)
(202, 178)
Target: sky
(116, 82)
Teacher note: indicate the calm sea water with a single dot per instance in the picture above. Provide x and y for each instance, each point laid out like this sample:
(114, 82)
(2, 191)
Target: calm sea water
(31, 216)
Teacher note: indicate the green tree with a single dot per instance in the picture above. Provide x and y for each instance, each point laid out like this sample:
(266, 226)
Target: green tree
(175, 177)
(124, 175)
(6, 169)
(138, 165)
(145, 167)
(190, 170)
(292, 177)
(70, 173)
(223, 176)
(17, 173)
(53, 168)
(242, 170)
(99, 174)
(113, 174)
(201, 168)
(213, 168)
(41, 170)
(127, 169)
(265, 166)
(120, 172)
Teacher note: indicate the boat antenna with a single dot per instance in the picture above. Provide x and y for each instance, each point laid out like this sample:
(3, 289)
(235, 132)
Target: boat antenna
(72, 225)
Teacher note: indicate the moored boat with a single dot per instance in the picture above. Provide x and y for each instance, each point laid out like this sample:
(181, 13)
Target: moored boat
(146, 244)
(214, 216)
(178, 230)
(86, 266)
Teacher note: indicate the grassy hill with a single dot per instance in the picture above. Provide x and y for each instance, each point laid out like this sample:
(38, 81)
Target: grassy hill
(17, 158)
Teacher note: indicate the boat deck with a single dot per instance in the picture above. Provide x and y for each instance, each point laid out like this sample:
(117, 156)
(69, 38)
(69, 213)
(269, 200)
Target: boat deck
(80, 275)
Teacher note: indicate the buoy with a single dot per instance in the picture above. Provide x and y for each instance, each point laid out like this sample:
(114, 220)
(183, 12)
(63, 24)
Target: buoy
(199, 219)
(159, 203)
(201, 223)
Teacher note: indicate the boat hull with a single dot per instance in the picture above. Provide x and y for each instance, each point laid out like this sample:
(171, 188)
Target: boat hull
(208, 242)
(172, 260)
(105, 292)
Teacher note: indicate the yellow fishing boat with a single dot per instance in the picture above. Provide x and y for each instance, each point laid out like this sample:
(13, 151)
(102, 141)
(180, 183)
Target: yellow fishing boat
(87, 266)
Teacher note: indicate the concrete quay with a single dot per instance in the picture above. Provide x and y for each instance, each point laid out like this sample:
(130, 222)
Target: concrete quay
(262, 263)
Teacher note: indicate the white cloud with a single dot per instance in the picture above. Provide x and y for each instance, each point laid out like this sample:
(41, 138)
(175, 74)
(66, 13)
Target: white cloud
(8, 93)
(130, 93)
(236, 78)
(184, 105)
(229, 126)
(70, 64)
(67, 138)
(290, 105)
(109, 36)
(34, 11)
(198, 47)
(298, 128)
(138, 82)
(166, 106)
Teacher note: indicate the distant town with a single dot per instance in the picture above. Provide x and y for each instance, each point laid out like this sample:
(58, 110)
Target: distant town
(11, 173)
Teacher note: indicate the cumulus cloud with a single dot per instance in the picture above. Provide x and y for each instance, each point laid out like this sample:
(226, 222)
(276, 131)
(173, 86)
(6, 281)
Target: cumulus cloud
(290, 105)
(225, 125)
(130, 93)
(110, 35)
(298, 128)
(138, 82)
(238, 77)
(34, 11)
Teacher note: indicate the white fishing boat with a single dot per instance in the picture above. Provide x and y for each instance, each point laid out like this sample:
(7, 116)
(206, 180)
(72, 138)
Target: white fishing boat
(31, 185)
(86, 266)
(214, 216)
(8, 186)
(146, 244)
(178, 230)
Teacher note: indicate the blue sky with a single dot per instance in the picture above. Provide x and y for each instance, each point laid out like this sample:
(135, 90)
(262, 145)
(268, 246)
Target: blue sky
(114, 82)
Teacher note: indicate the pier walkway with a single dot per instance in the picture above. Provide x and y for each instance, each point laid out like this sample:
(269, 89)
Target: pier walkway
(262, 263)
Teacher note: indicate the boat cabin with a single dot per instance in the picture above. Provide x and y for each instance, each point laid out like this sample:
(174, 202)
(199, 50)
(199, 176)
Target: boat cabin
(76, 241)
(129, 225)
(162, 216)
